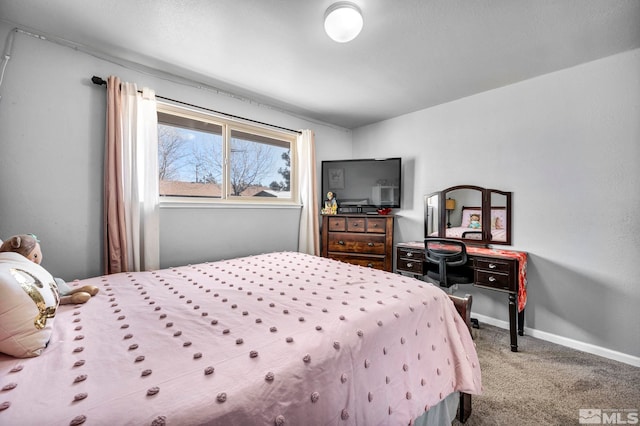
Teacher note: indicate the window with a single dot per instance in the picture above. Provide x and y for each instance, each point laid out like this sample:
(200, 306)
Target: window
(211, 158)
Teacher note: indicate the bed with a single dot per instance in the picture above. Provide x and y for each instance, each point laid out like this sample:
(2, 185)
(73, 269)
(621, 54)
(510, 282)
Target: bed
(273, 339)
(465, 229)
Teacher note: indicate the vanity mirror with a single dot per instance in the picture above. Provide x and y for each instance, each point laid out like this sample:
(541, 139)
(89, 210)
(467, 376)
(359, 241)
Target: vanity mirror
(471, 213)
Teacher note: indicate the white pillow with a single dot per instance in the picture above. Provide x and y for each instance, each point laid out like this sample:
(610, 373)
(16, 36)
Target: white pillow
(28, 302)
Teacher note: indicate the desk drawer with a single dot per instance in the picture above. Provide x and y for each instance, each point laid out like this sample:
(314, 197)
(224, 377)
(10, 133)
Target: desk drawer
(356, 243)
(493, 264)
(491, 279)
(413, 266)
(410, 254)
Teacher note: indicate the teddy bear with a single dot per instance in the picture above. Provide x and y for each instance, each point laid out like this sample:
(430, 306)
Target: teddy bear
(474, 221)
(28, 246)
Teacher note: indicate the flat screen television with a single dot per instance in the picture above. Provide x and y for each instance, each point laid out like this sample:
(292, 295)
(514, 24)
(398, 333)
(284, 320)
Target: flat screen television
(363, 184)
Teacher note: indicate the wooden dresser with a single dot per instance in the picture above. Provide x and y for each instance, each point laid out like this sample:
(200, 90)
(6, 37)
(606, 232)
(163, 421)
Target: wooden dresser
(365, 240)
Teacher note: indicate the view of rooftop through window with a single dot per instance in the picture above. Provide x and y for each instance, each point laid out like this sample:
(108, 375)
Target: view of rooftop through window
(191, 158)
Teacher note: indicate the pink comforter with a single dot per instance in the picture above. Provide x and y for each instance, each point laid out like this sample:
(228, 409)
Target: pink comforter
(281, 338)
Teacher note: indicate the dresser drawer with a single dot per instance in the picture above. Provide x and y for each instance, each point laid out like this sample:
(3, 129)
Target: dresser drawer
(354, 259)
(377, 225)
(357, 224)
(356, 243)
(337, 224)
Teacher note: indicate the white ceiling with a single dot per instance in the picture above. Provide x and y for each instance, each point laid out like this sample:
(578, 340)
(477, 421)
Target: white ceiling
(411, 54)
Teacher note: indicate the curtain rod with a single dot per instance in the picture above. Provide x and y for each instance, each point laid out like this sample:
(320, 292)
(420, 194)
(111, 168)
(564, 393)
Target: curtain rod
(102, 82)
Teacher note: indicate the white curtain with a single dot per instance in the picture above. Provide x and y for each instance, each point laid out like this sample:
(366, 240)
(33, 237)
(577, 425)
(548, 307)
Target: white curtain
(140, 177)
(308, 238)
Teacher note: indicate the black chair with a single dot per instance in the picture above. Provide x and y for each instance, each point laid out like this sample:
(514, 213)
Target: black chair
(449, 259)
(448, 264)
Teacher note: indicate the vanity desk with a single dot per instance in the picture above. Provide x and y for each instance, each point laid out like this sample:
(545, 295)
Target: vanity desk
(493, 269)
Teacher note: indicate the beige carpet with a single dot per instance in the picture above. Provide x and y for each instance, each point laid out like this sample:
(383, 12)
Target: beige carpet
(547, 384)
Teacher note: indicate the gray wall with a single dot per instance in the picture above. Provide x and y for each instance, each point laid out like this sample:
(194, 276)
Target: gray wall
(567, 145)
(51, 163)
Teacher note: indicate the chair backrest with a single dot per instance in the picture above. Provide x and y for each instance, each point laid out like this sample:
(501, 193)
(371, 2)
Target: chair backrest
(445, 253)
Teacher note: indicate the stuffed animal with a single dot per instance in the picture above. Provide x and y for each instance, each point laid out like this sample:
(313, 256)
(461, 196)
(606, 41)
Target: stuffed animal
(474, 221)
(29, 300)
(28, 246)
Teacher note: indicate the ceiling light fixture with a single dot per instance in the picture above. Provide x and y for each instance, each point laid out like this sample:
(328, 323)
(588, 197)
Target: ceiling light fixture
(343, 21)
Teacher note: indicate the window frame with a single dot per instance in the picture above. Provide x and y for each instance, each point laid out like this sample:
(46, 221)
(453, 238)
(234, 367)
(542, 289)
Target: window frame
(228, 125)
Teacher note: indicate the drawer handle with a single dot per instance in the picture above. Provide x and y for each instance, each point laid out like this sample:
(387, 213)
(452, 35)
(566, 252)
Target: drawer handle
(370, 265)
(409, 265)
(492, 266)
(370, 244)
(356, 224)
(341, 242)
(409, 254)
(492, 279)
(375, 225)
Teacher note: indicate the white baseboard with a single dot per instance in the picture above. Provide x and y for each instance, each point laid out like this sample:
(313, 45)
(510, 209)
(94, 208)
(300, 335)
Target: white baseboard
(565, 341)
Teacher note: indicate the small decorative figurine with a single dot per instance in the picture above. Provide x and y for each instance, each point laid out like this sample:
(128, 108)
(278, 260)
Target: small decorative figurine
(474, 221)
(330, 204)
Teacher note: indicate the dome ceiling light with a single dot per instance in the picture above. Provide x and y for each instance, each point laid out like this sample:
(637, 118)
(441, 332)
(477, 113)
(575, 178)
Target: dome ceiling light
(343, 21)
